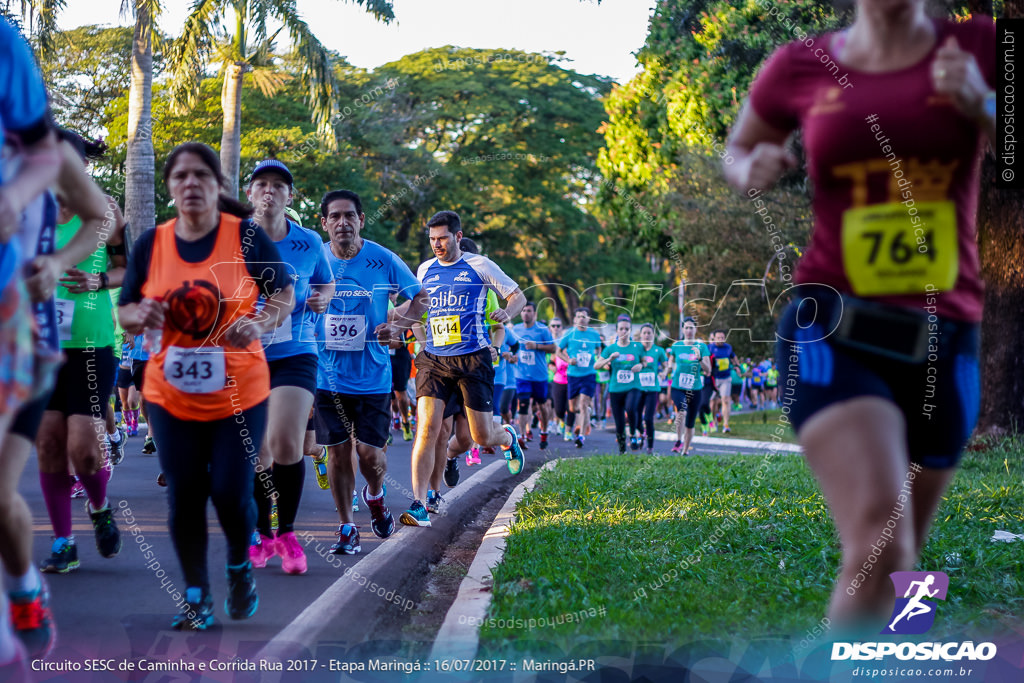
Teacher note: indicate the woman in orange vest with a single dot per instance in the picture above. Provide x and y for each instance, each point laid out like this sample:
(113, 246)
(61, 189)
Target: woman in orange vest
(191, 287)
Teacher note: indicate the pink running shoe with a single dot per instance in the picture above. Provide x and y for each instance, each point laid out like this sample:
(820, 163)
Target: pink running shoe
(678, 448)
(293, 560)
(77, 490)
(262, 550)
(473, 457)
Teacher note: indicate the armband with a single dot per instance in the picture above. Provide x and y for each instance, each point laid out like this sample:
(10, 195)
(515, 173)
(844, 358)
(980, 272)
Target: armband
(117, 249)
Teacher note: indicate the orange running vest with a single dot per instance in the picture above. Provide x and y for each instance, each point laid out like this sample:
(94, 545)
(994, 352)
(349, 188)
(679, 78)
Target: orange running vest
(204, 299)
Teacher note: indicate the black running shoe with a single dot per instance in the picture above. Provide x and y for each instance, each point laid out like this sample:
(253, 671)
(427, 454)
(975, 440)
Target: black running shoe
(117, 449)
(149, 446)
(381, 522)
(63, 557)
(348, 541)
(197, 614)
(634, 443)
(242, 599)
(621, 439)
(108, 538)
(451, 472)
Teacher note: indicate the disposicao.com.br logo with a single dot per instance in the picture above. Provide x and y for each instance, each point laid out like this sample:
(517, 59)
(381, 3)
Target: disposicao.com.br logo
(913, 614)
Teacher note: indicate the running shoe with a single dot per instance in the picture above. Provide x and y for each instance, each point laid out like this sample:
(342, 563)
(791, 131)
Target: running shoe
(261, 550)
(567, 434)
(320, 469)
(77, 490)
(396, 423)
(451, 472)
(63, 557)
(473, 457)
(529, 434)
(434, 501)
(579, 440)
(678, 448)
(381, 522)
(108, 538)
(543, 441)
(348, 540)
(514, 458)
(197, 614)
(416, 515)
(621, 439)
(161, 479)
(355, 501)
(650, 450)
(242, 599)
(634, 443)
(149, 446)
(407, 431)
(33, 621)
(726, 430)
(293, 559)
(117, 449)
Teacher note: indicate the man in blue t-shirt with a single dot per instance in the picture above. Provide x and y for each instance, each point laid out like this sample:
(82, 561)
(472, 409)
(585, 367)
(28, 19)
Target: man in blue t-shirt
(722, 361)
(456, 361)
(535, 343)
(353, 400)
(579, 347)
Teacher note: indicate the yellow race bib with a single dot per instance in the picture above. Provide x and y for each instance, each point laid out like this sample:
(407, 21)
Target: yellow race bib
(446, 330)
(888, 251)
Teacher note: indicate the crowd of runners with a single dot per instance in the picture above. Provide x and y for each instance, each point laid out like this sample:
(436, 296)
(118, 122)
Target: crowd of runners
(245, 342)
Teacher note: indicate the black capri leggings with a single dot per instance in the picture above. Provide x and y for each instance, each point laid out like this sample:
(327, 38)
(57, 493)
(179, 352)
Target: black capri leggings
(624, 409)
(560, 399)
(686, 402)
(647, 404)
(203, 460)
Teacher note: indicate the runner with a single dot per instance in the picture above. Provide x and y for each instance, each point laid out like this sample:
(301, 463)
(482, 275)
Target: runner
(907, 332)
(292, 357)
(129, 382)
(26, 590)
(655, 365)
(771, 384)
(353, 399)
(558, 387)
(624, 360)
(73, 429)
(691, 359)
(457, 358)
(723, 359)
(535, 342)
(579, 348)
(207, 381)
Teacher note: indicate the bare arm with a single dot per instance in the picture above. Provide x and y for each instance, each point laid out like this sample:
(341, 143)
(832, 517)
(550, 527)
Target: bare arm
(760, 157)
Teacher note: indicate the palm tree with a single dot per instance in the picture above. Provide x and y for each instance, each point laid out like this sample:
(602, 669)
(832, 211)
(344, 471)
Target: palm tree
(250, 49)
(140, 181)
(39, 19)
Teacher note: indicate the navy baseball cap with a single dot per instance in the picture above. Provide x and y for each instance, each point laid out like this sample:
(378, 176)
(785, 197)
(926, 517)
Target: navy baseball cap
(272, 165)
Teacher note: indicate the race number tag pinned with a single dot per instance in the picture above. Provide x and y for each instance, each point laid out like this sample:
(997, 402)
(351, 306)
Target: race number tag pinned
(65, 314)
(886, 252)
(195, 370)
(648, 379)
(345, 332)
(527, 357)
(686, 382)
(583, 359)
(282, 334)
(624, 376)
(446, 330)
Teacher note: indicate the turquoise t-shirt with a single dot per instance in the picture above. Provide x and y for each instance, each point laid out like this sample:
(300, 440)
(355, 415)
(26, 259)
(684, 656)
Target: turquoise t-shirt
(688, 374)
(623, 378)
(647, 378)
(584, 347)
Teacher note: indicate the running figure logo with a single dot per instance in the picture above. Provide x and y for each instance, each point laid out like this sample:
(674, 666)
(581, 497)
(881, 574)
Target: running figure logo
(913, 613)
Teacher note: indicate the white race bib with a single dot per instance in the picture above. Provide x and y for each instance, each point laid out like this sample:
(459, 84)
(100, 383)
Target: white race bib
(345, 332)
(195, 370)
(583, 359)
(65, 314)
(686, 382)
(624, 376)
(527, 357)
(648, 379)
(281, 334)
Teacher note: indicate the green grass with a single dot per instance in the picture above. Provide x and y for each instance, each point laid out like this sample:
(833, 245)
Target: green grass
(606, 532)
(760, 426)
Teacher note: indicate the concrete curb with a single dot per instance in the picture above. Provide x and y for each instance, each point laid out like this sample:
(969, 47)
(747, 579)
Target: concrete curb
(745, 443)
(459, 636)
(307, 626)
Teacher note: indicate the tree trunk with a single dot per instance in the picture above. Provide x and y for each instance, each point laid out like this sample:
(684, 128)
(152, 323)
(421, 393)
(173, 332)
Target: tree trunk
(139, 187)
(1001, 246)
(231, 137)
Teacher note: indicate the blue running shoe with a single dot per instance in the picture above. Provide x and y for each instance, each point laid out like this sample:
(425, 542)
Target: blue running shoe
(513, 454)
(242, 599)
(416, 515)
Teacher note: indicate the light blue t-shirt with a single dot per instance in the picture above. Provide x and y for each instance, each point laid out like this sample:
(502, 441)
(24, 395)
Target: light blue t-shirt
(302, 251)
(137, 352)
(352, 361)
(505, 374)
(456, 324)
(584, 347)
(533, 364)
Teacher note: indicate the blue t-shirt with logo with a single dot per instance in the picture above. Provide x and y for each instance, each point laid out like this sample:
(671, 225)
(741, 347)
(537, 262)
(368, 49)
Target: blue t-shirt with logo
(585, 347)
(302, 251)
(456, 324)
(533, 364)
(351, 360)
(721, 366)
